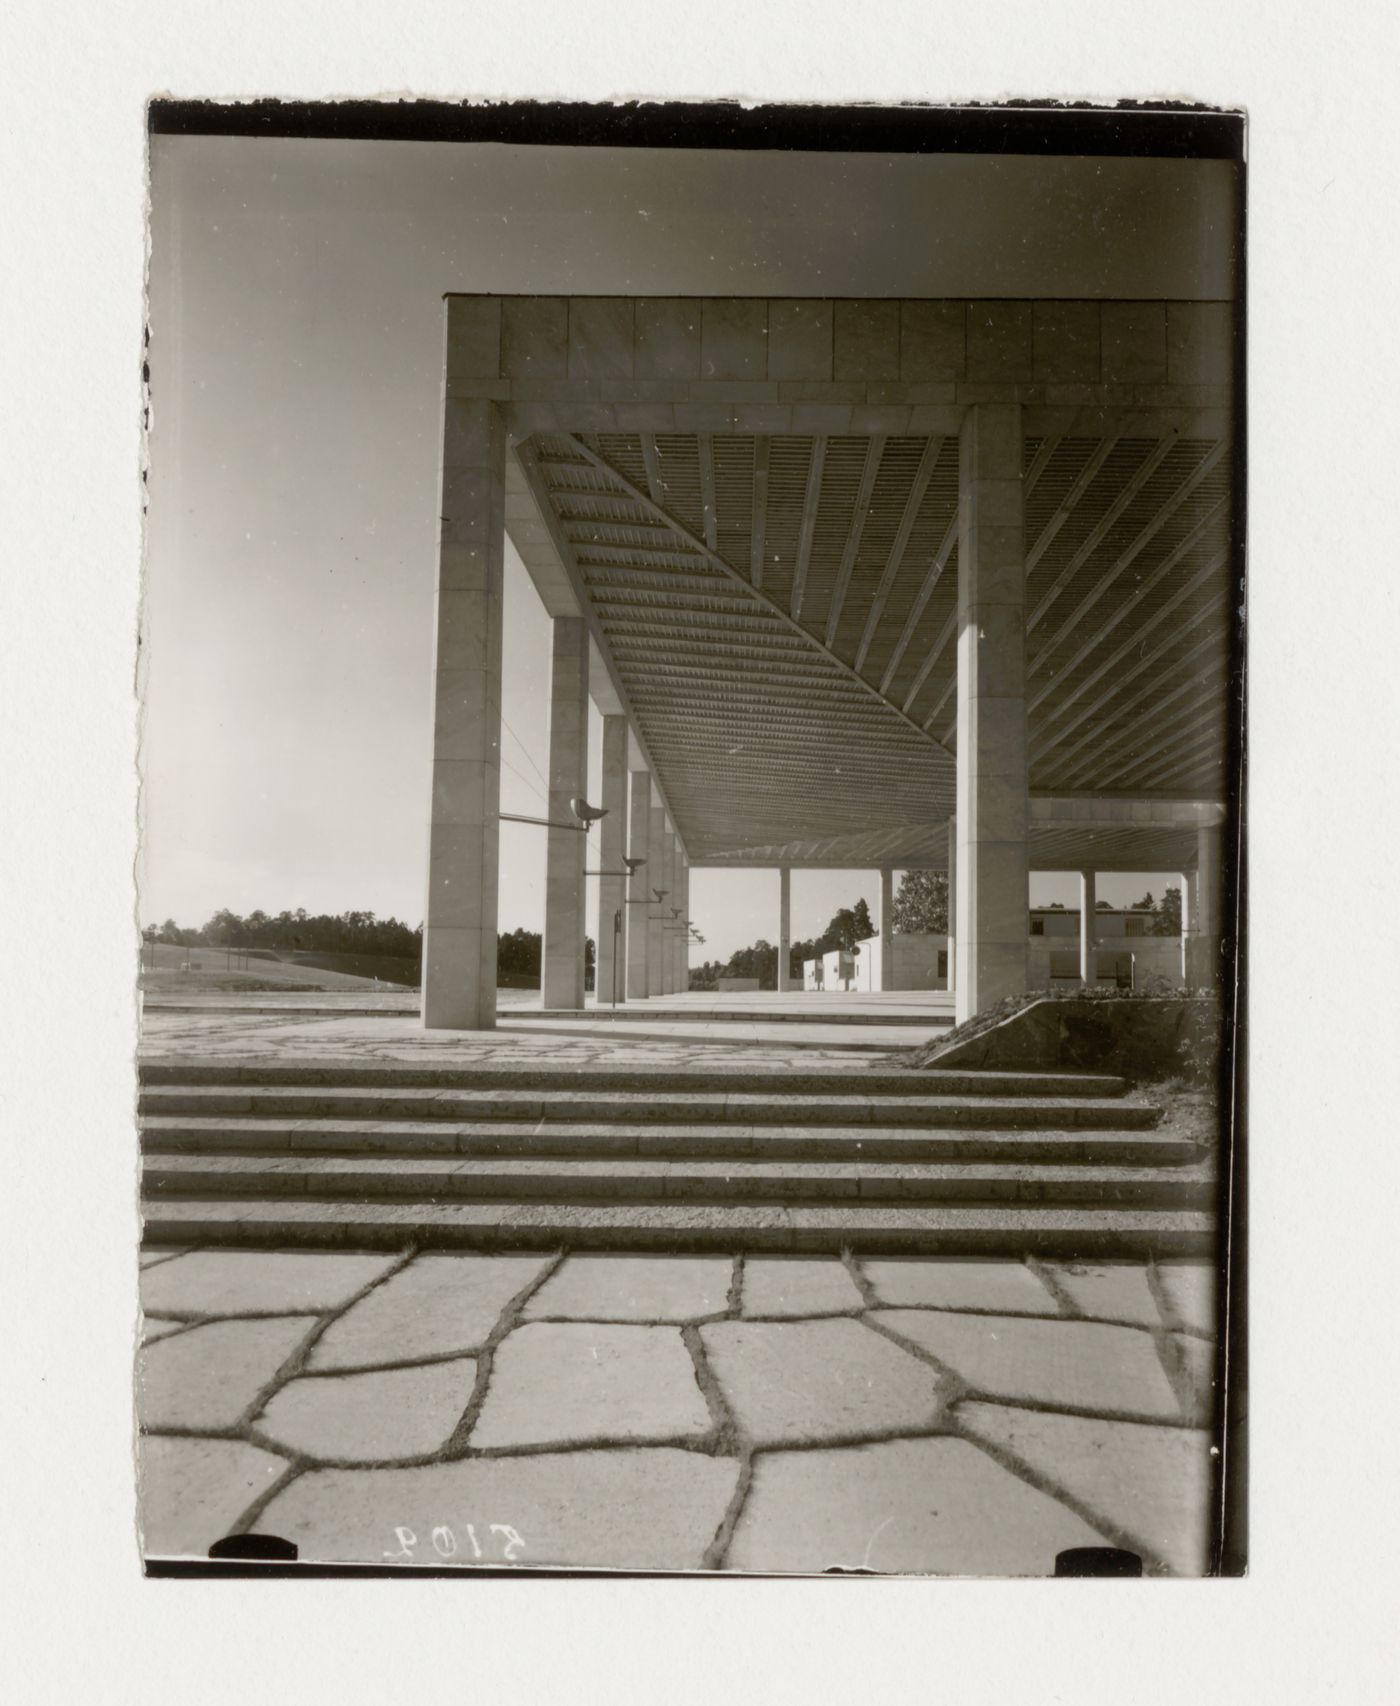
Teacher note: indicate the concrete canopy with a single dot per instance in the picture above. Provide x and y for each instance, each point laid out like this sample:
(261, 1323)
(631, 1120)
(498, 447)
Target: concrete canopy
(754, 505)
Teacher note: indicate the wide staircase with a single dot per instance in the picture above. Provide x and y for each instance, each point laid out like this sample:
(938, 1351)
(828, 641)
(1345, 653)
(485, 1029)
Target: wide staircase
(874, 1158)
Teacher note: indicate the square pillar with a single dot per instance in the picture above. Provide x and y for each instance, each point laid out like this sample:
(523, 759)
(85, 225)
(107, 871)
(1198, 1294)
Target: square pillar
(1188, 919)
(562, 984)
(639, 884)
(886, 930)
(784, 928)
(681, 937)
(610, 981)
(459, 914)
(1207, 922)
(993, 875)
(657, 880)
(953, 904)
(1088, 933)
(668, 938)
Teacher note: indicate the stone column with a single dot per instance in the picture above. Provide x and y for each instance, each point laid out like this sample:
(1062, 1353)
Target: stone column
(610, 982)
(784, 928)
(639, 885)
(993, 804)
(657, 868)
(682, 937)
(1188, 920)
(668, 935)
(886, 930)
(459, 915)
(952, 903)
(568, 781)
(1208, 919)
(1088, 933)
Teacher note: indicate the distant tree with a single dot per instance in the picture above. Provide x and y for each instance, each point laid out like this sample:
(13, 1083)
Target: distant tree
(921, 904)
(518, 952)
(864, 925)
(760, 961)
(1103, 906)
(841, 931)
(1166, 912)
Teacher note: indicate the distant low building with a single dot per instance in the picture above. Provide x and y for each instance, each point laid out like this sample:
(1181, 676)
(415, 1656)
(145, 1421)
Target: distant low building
(1128, 955)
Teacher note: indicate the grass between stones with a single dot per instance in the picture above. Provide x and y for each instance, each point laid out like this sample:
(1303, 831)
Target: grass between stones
(726, 1437)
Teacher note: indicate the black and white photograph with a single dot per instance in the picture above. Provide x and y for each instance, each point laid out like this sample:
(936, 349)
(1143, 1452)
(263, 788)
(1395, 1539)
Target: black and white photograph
(690, 889)
(696, 712)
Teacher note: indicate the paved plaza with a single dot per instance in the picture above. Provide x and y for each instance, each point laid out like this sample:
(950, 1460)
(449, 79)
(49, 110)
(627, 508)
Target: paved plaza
(272, 1033)
(760, 1414)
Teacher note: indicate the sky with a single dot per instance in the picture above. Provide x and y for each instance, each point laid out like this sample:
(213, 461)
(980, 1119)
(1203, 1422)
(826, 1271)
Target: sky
(295, 321)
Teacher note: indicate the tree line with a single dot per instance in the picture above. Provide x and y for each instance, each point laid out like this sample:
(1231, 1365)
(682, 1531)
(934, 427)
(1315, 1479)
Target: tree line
(920, 904)
(518, 952)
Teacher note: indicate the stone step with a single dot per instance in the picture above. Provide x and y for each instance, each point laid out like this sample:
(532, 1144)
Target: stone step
(844, 1080)
(695, 1014)
(1058, 1233)
(434, 1178)
(654, 1107)
(226, 1135)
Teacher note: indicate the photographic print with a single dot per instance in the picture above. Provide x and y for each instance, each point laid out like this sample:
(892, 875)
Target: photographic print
(692, 840)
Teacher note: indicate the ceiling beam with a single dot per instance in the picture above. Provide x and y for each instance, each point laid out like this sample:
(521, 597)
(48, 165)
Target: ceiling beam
(705, 446)
(1191, 754)
(1209, 643)
(930, 663)
(539, 486)
(651, 461)
(1153, 717)
(916, 610)
(912, 506)
(1129, 556)
(1171, 733)
(1067, 504)
(873, 452)
(1039, 463)
(1141, 475)
(1132, 643)
(758, 542)
(606, 467)
(809, 524)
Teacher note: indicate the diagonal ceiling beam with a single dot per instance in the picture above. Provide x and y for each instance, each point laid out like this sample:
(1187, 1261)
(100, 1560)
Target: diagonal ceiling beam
(1192, 753)
(651, 461)
(705, 446)
(1039, 463)
(1209, 644)
(1133, 643)
(809, 525)
(949, 629)
(1129, 604)
(539, 487)
(683, 532)
(1124, 734)
(930, 663)
(916, 610)
(1097, 533)
(1149, 532)
(758, 543)
(874, 451)
(897, 549)
(1167, 737)
(1067, 504)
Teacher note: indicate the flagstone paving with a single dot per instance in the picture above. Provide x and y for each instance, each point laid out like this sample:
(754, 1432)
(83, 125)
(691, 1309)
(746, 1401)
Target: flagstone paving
(794, 1285)
(289, 1036)
(674, 1413)
(634, 1288)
